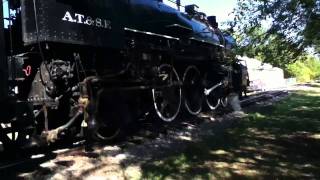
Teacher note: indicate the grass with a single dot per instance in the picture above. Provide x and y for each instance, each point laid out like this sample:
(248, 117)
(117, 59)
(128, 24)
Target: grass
(274, 142)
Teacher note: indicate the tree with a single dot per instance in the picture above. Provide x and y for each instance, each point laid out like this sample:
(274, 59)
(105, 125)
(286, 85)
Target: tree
(277, 31)
(306, 70)
(272, 49)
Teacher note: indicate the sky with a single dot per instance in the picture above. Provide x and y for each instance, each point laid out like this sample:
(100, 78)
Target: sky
(219, 8)
(5, 11)
(5, 7)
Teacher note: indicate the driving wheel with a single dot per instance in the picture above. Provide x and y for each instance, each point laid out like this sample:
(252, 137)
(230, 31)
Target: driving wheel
(224, 101)
(167, 96)
(112, 117)
(192, 90)
(213, 98)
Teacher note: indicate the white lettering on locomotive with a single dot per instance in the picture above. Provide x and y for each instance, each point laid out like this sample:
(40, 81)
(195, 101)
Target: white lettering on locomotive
(87, 20)
(68, 17)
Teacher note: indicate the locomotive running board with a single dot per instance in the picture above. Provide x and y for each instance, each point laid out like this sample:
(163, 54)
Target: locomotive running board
(115, 85)
(179, 29)
(151, 34)
(142, 87)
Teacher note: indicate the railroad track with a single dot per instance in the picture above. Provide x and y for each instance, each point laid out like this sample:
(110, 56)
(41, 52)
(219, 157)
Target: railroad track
(147, 130)
(261, 97)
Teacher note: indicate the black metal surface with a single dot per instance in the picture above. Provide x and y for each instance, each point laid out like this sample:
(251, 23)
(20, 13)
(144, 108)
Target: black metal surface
(54, 29)
(3, 63)
(92, 23)
(101, 23)
(15, 68)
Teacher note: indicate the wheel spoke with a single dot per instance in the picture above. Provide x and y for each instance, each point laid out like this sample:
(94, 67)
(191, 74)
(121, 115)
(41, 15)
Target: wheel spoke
(167, 101)
(192, 90)
(213, 99)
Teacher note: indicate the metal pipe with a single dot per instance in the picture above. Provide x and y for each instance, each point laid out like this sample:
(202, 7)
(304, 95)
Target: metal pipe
(53, 135)
(178, 2)
(3, 60)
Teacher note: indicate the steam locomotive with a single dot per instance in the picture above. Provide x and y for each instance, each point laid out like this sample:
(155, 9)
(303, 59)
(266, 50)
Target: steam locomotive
(100, 64)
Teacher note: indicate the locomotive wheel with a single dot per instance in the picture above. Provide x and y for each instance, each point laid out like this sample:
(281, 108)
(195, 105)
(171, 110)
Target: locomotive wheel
(6, 142)
(192, 90)
(167, 100)
(112, 117)
(224, 101)
(17, 133)
(11, 137)
(213, 99)
(107, 131)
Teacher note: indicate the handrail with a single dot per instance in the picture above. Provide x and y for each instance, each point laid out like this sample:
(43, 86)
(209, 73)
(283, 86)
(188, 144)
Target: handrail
(176, 2)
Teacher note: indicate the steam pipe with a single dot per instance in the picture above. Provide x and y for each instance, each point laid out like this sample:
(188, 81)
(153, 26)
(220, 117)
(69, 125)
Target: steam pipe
(178, 2)
(53, 135)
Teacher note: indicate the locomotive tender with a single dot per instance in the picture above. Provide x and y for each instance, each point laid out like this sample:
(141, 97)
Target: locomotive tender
(101, 63)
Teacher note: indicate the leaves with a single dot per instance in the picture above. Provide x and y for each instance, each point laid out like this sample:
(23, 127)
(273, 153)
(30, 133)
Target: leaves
(305, 71)
(277, 31)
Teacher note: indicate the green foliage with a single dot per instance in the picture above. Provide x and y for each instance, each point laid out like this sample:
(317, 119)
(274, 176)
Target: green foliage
(277, 31)
(300, 71)
(271, 49)
(305, 71)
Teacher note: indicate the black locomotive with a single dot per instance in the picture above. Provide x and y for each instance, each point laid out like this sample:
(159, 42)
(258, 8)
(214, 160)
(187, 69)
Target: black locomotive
(100, 64)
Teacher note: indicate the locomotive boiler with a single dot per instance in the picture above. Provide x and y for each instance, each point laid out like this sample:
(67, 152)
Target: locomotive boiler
(100, 64)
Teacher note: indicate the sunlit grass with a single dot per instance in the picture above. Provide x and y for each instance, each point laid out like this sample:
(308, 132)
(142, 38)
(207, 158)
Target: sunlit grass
(279, 141)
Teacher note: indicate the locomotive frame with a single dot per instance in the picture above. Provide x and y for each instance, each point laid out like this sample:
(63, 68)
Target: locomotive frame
(68, 68)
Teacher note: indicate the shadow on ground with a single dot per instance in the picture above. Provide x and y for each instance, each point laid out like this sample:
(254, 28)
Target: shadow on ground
(274, 141)
(281, 141)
